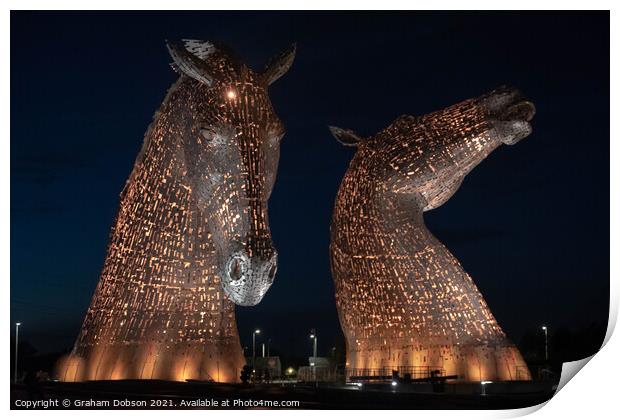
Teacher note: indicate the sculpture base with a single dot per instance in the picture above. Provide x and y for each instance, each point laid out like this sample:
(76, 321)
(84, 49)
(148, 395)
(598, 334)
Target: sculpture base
(178, 362)
(470, 362)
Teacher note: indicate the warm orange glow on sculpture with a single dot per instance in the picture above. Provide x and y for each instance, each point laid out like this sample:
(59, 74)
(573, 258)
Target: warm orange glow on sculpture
(404, 301)
(194, 206)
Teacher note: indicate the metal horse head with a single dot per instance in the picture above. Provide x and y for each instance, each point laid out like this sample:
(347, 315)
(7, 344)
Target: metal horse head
(423, 159)
(231, 141)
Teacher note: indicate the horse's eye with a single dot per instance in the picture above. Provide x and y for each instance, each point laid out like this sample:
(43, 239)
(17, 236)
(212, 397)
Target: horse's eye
(207, 134)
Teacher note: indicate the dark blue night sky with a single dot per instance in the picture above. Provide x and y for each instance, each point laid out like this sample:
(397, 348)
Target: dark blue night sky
(530, 224)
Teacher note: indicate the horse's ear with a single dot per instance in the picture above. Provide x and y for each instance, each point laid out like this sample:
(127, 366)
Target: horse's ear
(279, 65)
(345, 137)
(191, 62)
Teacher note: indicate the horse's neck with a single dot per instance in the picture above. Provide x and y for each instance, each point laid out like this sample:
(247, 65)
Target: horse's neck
(381, 250)
(160, 172)
(150, 134)
(377, 222)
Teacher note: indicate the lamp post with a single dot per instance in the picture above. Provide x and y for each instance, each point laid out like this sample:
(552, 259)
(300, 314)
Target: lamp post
(484, 387)
(257, 331)
(544, 328)
(312, 364)
(313, 336)
(17, 324)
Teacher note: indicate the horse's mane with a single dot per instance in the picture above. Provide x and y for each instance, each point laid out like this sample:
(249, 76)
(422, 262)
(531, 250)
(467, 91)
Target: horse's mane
(148, 135)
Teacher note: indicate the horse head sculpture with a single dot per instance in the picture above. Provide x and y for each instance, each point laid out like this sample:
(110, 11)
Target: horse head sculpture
(232, 146)
(404, 301)
(191, 238)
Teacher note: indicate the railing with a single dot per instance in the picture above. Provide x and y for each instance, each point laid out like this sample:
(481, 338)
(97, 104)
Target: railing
(318, 374)
(406, 373)
(387, 372)
(540, 372)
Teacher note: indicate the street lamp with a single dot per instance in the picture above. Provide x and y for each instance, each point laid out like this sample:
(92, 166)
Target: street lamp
(257, 331)
(313, 337)
(484, 388)
(17, 324)
(546, 343)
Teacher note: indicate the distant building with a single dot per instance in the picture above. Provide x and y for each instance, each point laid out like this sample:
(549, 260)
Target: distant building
(320, 369)
(268, 365)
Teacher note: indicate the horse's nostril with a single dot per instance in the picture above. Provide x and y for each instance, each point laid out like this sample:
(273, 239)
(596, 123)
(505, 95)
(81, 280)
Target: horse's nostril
(523, 110)
(236, 269)
(272, 271)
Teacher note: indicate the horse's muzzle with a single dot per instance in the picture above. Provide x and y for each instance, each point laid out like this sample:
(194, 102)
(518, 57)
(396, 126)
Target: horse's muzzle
(246, 279)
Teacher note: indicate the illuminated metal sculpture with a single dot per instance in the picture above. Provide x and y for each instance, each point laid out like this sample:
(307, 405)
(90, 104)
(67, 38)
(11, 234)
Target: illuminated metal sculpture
(191, 238)
(404, 301)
